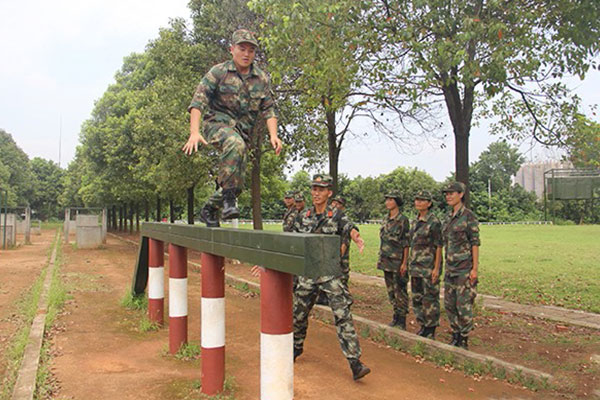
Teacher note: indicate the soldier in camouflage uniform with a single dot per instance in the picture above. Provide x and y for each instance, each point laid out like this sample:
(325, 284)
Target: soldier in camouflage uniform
(321, 218)
(230, 99)
(299, 203)
(393, 257)
(289, 218)
(424, 265)
(460, 232)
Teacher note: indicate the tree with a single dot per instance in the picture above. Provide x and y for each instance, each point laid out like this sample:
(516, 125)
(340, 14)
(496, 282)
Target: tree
(583, 143)
(473, 52)
(15, 172)
(499, 163)
(48, 185)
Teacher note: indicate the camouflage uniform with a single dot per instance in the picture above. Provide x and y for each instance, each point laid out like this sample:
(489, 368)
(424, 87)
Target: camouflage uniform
(425, 238)
(330, 222)
(231, 104)
(345, 255)
(394, 238)
(460, 233)
(289, 218)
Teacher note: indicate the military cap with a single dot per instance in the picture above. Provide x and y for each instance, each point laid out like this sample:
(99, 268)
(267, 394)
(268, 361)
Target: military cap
(243, 36)
(322, 180)
(394, 194)
(423, 195)
(299, 196)
(289, 194)
(340, 200)
(455, 187)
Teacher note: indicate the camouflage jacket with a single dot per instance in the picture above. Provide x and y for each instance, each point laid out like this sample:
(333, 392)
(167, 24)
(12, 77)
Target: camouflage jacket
(425, 237)
(394, 238)
(225, 97)
(289, 218)
(331, 222)
(345, 256)
(460, 233)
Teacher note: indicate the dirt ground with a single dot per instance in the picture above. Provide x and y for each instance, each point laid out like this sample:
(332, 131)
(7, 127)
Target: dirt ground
(19, 268)
(100, 353)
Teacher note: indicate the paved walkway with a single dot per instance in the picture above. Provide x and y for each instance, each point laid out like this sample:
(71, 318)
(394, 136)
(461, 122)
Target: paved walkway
(559, 314)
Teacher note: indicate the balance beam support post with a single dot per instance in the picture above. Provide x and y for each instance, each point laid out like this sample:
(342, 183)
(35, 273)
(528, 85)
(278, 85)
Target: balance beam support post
(178, 301)
(156, 281)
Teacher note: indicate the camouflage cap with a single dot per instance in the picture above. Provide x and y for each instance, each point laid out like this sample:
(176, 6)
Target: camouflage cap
(455, 187)
(322, 180)
(299, 196)
(423, 195)
(243, 36)
(340, 200)
(289, 194)
(394, 194)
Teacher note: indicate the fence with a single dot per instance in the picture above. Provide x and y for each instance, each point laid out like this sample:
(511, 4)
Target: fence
(281, 254)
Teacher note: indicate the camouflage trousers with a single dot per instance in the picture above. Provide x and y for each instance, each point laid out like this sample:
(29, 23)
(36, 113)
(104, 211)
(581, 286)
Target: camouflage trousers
(459, 296)
(232, 157)
(397, 289)
(305, 295)
(426, 301)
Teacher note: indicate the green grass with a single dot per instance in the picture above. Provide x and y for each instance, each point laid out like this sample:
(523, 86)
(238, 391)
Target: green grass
(532, 264)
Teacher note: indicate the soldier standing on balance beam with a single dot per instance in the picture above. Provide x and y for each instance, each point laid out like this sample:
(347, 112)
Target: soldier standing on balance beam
(460, 232)
(321, 218)
(230, 99)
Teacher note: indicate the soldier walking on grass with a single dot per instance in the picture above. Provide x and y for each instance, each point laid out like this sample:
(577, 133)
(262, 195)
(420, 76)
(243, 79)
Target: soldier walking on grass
(460, 233)
(393, 257)
(289, 217)
(321, 218)
(424, 265)
(229, 100)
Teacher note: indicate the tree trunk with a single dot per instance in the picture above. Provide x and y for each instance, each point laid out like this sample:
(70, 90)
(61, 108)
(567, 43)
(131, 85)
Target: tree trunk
(131, 218)
(137, 217)
(120, 218)
(334, 152)
(147, 211)
(125, 217)
(257, 222)
(158, 208)
(190, 205)
(114, 216)
(171, 212)
(109, 219)
(461, 113)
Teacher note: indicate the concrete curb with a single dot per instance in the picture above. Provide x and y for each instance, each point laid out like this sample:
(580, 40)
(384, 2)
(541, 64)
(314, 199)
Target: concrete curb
(406, 340)
(26, 379)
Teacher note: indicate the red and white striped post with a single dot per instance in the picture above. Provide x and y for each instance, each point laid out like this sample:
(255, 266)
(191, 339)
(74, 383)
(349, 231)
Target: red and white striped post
(276, 336)
(156, 281)
(178, 302)
(213, 324)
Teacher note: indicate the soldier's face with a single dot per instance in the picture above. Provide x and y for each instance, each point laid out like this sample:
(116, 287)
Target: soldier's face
(453, 198)
(288, 201)
(243, 55)
(320, 195)
(422, 205)
(390, 203)
(300, 205)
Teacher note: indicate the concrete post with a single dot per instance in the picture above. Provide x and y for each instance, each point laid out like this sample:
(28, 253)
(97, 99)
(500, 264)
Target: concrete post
(178, 301)
(276, 336)
(156, 281)
(28, 225)
(213, 324)
(67, 222)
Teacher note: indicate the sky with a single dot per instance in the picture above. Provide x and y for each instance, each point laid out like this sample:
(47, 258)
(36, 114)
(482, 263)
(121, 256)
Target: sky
(58, 57)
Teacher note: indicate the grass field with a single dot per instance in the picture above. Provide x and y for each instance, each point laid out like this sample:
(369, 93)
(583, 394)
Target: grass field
(534, 264)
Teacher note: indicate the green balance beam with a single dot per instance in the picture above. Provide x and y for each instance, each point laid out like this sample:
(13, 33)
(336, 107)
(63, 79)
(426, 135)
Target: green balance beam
(310, 255)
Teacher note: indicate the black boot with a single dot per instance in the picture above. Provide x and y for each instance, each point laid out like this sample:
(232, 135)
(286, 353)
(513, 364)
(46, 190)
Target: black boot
(428, 332)
(463, 342)
(455, 337)
(359, 369)
(297, 352)
(394, 320)
(401, 322)
(420, 331)
(230, 210)
(210, 215)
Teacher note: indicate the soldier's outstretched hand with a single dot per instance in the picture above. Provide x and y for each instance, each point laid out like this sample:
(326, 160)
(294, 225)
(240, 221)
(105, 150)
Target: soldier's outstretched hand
(191, 146)
(276, 143)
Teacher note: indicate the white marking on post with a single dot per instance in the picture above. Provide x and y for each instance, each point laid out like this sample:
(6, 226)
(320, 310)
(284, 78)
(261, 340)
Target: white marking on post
(213, 322)
(178, 301)
(156, 282)
(276, 366)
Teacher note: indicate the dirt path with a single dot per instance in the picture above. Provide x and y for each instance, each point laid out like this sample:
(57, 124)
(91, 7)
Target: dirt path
(19, 268)
(101, 354)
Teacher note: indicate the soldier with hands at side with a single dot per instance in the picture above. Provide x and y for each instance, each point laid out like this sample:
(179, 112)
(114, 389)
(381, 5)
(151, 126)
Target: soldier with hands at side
(424, 265)
(321, 218)
(229, 100)
(460, 232)
(289, 217)
(393, 257)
